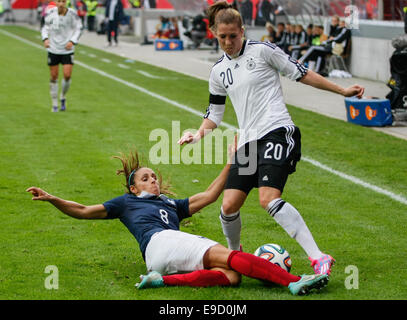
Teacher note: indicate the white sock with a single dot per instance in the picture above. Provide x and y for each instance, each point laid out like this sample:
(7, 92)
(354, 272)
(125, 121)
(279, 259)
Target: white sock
(231, 226)
(65, 87)
(53, 89)
(291, 221)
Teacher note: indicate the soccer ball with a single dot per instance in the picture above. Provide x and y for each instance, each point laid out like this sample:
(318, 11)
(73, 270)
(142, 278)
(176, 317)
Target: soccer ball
(275, 254)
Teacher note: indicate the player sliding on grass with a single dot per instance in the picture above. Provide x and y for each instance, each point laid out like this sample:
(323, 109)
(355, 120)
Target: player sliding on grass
(60, 34)
(173, 257)
(248, 73)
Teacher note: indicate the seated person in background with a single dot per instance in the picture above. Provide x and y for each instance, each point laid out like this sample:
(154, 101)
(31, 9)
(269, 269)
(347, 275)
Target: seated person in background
(310, 37)
(340, 42)
(334, 45)
(162, 27)
(319, 36)
(317, 51)
(334, 28)
(199, 30)
(172, 32)
(271, 33)
(290, 40)
(309, 33)
(281, 37)
(300, 42)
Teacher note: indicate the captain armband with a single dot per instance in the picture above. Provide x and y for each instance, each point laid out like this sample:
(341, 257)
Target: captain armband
(216, 99)
(216, 108)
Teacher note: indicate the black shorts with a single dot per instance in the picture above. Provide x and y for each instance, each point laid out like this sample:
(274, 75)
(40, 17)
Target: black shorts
(55, 59)
(266, 162)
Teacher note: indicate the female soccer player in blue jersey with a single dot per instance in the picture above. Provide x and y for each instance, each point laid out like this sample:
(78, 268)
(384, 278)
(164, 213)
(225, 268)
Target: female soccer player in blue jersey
(174, 257)
(269, 143)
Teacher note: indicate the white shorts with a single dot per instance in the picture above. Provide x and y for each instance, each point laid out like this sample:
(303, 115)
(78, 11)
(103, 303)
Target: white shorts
(172, 251)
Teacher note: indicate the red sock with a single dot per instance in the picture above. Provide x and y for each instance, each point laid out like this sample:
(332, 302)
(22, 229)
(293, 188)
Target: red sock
(259, 268)
(200, 278)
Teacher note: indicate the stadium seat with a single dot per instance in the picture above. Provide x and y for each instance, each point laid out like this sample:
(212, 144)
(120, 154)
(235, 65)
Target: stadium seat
(337, 62)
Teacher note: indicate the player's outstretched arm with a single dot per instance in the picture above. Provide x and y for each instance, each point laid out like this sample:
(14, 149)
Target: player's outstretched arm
(317, 81)
(206, 127)
(70, 208)
(210, 195)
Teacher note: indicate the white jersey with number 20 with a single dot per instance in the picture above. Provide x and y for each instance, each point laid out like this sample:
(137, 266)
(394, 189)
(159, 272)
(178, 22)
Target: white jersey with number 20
(252, 82)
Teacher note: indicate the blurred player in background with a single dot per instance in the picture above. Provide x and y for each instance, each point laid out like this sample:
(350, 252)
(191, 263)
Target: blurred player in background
(113, 15)
(269, 141)
(60, 33)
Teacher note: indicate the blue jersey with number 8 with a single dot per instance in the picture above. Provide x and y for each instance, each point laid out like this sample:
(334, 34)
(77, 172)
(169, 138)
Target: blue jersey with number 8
(146, 216)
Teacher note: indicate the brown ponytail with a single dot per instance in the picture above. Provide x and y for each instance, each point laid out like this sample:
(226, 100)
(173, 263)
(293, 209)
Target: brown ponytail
(131, 163)
(223, 12)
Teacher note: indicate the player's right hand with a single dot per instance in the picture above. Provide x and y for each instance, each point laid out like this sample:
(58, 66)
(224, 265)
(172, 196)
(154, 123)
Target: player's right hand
(188, 137)
(39, 194)
(46, 43)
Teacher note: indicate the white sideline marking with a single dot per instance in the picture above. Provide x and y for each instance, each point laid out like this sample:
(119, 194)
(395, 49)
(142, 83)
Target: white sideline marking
(149, 75)
(356, 180)
(123, 66)
(106, 60)
(316, 163)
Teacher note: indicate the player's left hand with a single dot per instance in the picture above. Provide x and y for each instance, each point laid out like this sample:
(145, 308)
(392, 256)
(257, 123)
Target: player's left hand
(69, 45)
(355, 90)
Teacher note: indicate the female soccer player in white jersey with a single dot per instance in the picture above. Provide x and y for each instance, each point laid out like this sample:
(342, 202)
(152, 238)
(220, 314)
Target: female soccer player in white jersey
(173, 257)
(248, 73)
(60, 34)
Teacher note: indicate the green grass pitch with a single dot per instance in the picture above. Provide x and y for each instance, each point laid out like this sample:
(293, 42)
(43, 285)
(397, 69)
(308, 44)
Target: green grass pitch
(70, 155)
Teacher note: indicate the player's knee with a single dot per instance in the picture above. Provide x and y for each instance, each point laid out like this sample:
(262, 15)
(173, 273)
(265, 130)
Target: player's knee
(266, 197)
(229, 206)
(264, 201)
